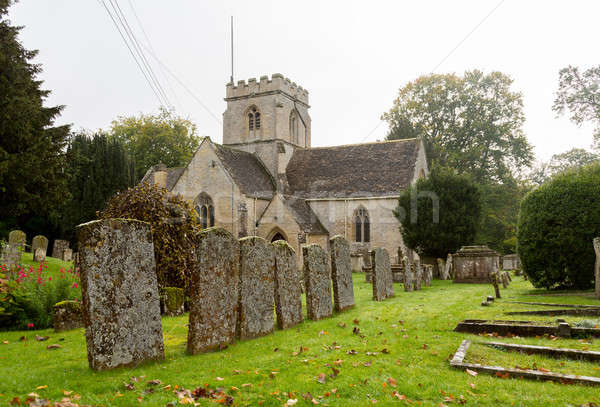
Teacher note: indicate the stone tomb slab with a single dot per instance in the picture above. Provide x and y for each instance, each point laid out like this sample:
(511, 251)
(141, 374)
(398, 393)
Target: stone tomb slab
(214, 292)
(382, 274)
(256, 288)
(341, 273)
(318, 282)
(121, 308)
(288, 291)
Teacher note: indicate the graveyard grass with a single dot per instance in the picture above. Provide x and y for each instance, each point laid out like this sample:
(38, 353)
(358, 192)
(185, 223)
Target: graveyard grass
(411, 334)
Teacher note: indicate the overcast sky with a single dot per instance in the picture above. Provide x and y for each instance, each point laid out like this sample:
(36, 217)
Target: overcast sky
(352, 56)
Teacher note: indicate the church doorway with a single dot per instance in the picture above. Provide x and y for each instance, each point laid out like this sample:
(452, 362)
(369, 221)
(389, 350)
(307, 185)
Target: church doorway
(277, 236)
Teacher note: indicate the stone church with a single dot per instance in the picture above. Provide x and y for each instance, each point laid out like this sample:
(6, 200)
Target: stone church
(267, 180)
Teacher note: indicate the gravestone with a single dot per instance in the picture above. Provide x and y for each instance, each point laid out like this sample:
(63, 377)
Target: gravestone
(67, 315)
(58, 248)
(11, 255)
(356, 262)
(474, 264)
(504, 280)
(448, 271)
(418, 275)
(494, 280)
(511, 262)
(288, 293)
(341, 273)
(39, 255)
(17, 238)
(67, 254)
(318, 282)
(427, 275)
(596, 243)
(408, 276)
(442, 269)
(214, 292)
(257, 288)
(382, 274)
(121, 309)
(39, 242)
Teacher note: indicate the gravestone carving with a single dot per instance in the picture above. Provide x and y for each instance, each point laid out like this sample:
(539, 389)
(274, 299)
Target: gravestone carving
(341, 273)
(257, 288)
(318, 282)
(121, 309)
(288, 293)
(214, 292)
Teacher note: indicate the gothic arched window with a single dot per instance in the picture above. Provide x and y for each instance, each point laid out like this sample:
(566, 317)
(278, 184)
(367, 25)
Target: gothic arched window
(362, 226)
(253, 120)
(205, 209)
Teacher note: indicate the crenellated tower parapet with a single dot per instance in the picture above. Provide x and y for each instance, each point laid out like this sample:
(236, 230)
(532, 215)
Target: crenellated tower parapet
(265, 86)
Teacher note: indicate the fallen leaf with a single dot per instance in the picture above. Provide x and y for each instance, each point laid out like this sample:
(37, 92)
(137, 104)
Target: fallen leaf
(392, 382)
(41, 338)
(154, 382)
(338, 362)
(341, 324)
(321, 378)
(351, 352)
(54, 346)
(291, 402)
(472, 385)
(247, 385)
(129, 386)
(5, 342)
(472, 372)
(367, 364)
(356, 321)
(335, 373)
(219, 379)
(45, 386)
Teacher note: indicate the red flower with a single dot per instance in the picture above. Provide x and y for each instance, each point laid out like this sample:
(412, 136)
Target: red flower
(30, 325)
(74, 285)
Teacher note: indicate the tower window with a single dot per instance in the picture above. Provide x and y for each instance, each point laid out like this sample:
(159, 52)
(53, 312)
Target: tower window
(253, 119)
(362, 226)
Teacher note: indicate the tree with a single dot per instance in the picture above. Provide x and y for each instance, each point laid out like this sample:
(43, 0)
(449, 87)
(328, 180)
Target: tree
(557, 223)
(153, 139)
(471, 123)
(174, 228)
(579, 93)
(576, 157)
(440, 213)
(31, 147)
(97, 168)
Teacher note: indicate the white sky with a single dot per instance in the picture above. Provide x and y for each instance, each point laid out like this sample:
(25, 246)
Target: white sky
(352, 56)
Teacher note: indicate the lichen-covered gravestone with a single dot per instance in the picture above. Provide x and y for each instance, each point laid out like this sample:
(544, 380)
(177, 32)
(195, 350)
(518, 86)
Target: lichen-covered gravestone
(427, 274)
(39, 242)
(448, 270)
(418, 275)
(213, 292)
(11, 256)
(318, 282)
(257, 288)
(442, 268)
(596, 243)
(59, 247)
(288, 293)
(382, 274)
(67, 254)
(17, 238)
(67, 315)
(408, 277)
(120, 293)
(341, 273)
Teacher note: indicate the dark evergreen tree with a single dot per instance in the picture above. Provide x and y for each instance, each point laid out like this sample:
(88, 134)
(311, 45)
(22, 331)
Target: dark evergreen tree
(32, 183)
(97, 168)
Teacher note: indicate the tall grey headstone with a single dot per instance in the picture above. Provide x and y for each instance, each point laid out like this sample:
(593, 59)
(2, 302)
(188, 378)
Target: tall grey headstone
(39, 242)
(11, 255)
(448, 269)
(341, 273)
(318, 282)
(17, 238)
(67, 254)
(257, 288)
(408, 276)
(214, 283)
(121, 308)
(382, 274)
(418, 275)
(288, 291)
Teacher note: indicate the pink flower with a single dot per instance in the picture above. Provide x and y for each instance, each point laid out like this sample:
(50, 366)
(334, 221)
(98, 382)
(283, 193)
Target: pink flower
(49, 278)
(30, 325)
(74, 285)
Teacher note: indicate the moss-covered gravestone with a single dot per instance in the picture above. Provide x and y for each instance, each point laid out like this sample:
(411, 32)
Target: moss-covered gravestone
(58, 248)
(383, 286)
(213, 292)
(172, 300)
(67, 315)
(341, 273)
(17, 238)
(121, 308)
(257, 288)
(318, 282)
(408, 274)
(288, 290)
(39, 248)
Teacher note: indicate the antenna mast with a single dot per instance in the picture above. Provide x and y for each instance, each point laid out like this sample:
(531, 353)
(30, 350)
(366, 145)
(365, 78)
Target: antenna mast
(231, 79)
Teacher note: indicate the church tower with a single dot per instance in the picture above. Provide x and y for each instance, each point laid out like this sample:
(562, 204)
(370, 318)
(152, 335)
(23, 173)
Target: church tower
(266, 110)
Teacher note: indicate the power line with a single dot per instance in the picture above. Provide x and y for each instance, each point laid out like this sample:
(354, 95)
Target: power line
(152, 52)
(137, 49)
(132, 53)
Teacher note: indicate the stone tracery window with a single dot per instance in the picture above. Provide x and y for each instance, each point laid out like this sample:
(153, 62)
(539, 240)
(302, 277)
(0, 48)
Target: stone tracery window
(362, 225)
(205, 210)
(253, 120)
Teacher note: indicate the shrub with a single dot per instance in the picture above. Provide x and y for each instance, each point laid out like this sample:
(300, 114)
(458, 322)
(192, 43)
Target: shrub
(557, 223)
(459, 213)
(174, 228)
(172, 298)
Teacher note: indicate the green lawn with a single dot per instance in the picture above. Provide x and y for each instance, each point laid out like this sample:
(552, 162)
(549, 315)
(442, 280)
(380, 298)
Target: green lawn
(414, 329)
